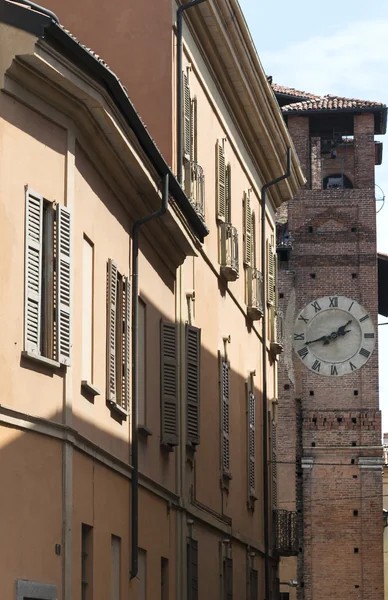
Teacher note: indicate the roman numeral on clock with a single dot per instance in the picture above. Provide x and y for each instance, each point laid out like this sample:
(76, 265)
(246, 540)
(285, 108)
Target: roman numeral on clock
(333, 302)
(364, 352)
(350, 307)
(303, 352)
(299, 336)
(369, 336)
(333, 370)
(301, 318)
(364, 318)
(316, 366)
(352, 366)
(316, 306)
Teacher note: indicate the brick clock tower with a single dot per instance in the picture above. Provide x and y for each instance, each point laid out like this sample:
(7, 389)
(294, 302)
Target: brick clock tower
(329, 456)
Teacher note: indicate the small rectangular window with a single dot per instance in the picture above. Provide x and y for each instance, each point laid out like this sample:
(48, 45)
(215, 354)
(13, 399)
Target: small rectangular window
(142, 575)
(86, 562)
(164, 582)
(115, 568)
(48, 279)
(87, 310)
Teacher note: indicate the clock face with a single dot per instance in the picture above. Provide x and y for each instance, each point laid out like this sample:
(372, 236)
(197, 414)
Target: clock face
(334, 336)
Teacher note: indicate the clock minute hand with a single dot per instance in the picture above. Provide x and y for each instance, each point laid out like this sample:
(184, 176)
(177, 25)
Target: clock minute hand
(324, 338)
(341, 330)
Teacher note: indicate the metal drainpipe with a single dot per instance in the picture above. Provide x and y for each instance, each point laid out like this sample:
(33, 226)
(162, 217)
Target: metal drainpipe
(38, 8)
(179, 78)
(264, 366)
(135, 346)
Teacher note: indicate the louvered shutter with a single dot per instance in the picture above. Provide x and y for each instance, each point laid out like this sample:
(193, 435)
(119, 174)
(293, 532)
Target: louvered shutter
(251, 443)
(193, 129)
(221, 182)
(274, 468)
(64, 288)
(126, 344)
(270, 274)
(169, 384)
(192, 569)
(186, 118)
(247, 230)
(33, 272)
(228, 578)
(193, 358)
(225, 415)
(228, 192)
(253, 584)
(111, 331)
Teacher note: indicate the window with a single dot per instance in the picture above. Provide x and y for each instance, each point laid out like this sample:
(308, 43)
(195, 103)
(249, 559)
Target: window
(225, 458)
(227, 578)
(142, 575)
(48, 293)
(284, 595)
(164, 580)
(118, 338)
(169, 384)
(253, 584)
(247, 229)
(87, 310)
(194, 176)
(271, 274)
(141, 365)
(192, 569)
(193, 363)
(86, 562)
(115, 568)
(251, 431)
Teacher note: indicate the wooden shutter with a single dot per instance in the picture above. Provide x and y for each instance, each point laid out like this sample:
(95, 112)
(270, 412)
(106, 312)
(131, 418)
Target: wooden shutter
(126, 344)
(193, 361)
(186, 118)
(228, 193)
(225, 415)
(228, 578)
(193, 129)
(251, 443)
(192, 569)
(274, 468)
(111, 331)
(253, 584)
(247, 230)
(169, 384)
(271, 274)
(220, 182)
(64, 287)
(33, 272)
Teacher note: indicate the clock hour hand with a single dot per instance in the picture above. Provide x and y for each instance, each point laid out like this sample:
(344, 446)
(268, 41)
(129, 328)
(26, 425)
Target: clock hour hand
(323, 339)
(342, 330)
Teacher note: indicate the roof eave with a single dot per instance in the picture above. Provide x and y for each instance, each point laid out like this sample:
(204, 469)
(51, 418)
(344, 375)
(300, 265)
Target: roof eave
(380, 124)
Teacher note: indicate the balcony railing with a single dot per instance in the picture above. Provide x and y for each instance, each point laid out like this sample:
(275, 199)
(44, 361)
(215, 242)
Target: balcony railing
(285, 532)
(195, 187)
(229, 251)
(277, 331)
(254, 294)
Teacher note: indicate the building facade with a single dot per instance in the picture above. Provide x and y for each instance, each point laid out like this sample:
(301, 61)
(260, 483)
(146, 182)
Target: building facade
(99, 397)
(329, 429)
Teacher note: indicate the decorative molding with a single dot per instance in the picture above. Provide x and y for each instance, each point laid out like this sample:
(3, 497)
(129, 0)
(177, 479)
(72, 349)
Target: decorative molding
(371, 463)
(307, 462)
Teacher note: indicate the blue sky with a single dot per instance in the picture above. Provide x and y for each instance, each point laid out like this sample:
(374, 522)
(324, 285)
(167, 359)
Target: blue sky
(339, 48)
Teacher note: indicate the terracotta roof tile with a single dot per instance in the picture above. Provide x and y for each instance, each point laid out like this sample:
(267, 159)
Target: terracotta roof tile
(281, 89)
(330, 102)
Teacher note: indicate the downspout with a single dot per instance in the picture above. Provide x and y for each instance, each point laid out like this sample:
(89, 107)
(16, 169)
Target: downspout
(179, 78)
(264, 373)
(135, 346)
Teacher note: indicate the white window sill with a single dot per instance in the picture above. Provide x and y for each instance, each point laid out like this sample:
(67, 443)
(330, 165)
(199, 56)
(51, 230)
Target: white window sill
(47, 362)
(89, 388)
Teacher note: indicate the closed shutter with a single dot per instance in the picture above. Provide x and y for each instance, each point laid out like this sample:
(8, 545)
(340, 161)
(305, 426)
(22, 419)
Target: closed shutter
(271, 274)
(247, 230)
(111, 331)
(126, 344)
(221, 182)
(193, 129)
(274, 469)
(186, 118)
(169, 384)
(225, 415)
(251, 443)
(228, 193)
(193, 361)
(64, 288)
(253, 584)
(33, 273)
(228, 578)
(192, 569)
